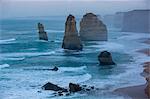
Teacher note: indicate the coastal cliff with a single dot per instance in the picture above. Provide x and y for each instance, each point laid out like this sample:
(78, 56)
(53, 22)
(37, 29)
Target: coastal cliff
(136, 21)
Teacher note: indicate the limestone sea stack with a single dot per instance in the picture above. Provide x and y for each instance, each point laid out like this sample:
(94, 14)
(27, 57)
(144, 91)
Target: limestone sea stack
(71, 39)
(92, 29)
(105, 58)
(42, 33)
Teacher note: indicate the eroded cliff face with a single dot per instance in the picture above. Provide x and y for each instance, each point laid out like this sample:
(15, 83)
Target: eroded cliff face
(71, 39)
(92, 29)
(146, 74)
(136, 21)
(42, 33)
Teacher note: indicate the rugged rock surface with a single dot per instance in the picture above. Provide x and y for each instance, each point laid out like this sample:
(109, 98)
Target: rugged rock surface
(50, 86)
(92, 29)
(146, 74)
(105, 58)
(136, 21)
(74, 87)
(71, 39)
(42, 33)
(59, 91)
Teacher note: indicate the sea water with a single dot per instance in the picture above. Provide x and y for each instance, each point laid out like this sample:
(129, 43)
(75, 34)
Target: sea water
(22, 56)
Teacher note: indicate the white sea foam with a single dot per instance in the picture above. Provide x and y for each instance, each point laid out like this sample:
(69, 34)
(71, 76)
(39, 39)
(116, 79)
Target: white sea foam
(26, 54)
(4, 66)
(6, 41)
(134, 36)
(31, 49)
(72, 68)
(64, 80)
(54, 31)
(13, 58)
(109, 46)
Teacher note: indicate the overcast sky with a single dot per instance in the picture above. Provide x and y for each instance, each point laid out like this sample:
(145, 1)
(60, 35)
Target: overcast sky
(24, 8)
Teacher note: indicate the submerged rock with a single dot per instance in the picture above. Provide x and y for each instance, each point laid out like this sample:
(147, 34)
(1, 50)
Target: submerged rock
(50, 86)
(74, 87)
(92, 29)
(71, 39)
(105, 58)
(42, 33)
(54, 69)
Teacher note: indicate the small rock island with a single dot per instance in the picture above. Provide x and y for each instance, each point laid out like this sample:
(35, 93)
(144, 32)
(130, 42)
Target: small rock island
(92, 29)
(71, 39)
(105, 58)
(42, 33)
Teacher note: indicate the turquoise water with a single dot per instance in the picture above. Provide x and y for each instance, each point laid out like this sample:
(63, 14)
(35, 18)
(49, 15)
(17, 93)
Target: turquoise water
(22, 54)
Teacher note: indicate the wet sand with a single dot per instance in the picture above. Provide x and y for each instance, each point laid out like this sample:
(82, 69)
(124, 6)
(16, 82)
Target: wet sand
(135, 92)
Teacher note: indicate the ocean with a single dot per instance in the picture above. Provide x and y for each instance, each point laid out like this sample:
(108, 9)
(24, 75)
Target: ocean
(23, 56)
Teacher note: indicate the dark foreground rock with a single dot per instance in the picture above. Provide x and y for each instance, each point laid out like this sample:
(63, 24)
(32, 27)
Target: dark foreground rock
(146, 74)
(105, 58)
(71, 39)
(42, 33)
(54, 69)
(50, 86)
(74, 87)
(92, 28)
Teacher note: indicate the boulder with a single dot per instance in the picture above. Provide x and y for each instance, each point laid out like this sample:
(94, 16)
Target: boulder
(42, 33)
(92, 29)
(60, 91)
(71, 39)
(74, 87)
(50, 86)
(105, 58)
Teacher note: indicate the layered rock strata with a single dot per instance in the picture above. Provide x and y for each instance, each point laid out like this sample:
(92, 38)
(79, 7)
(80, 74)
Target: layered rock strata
(71, 39)
(42, 33)
(92, 29)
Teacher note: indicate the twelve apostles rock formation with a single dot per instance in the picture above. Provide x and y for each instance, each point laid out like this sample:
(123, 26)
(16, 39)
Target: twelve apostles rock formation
(42, 33)
(92, 29)
(71, 39)
(105, 58)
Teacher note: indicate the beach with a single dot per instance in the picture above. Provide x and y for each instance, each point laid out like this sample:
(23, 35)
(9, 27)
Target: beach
(137, 92)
